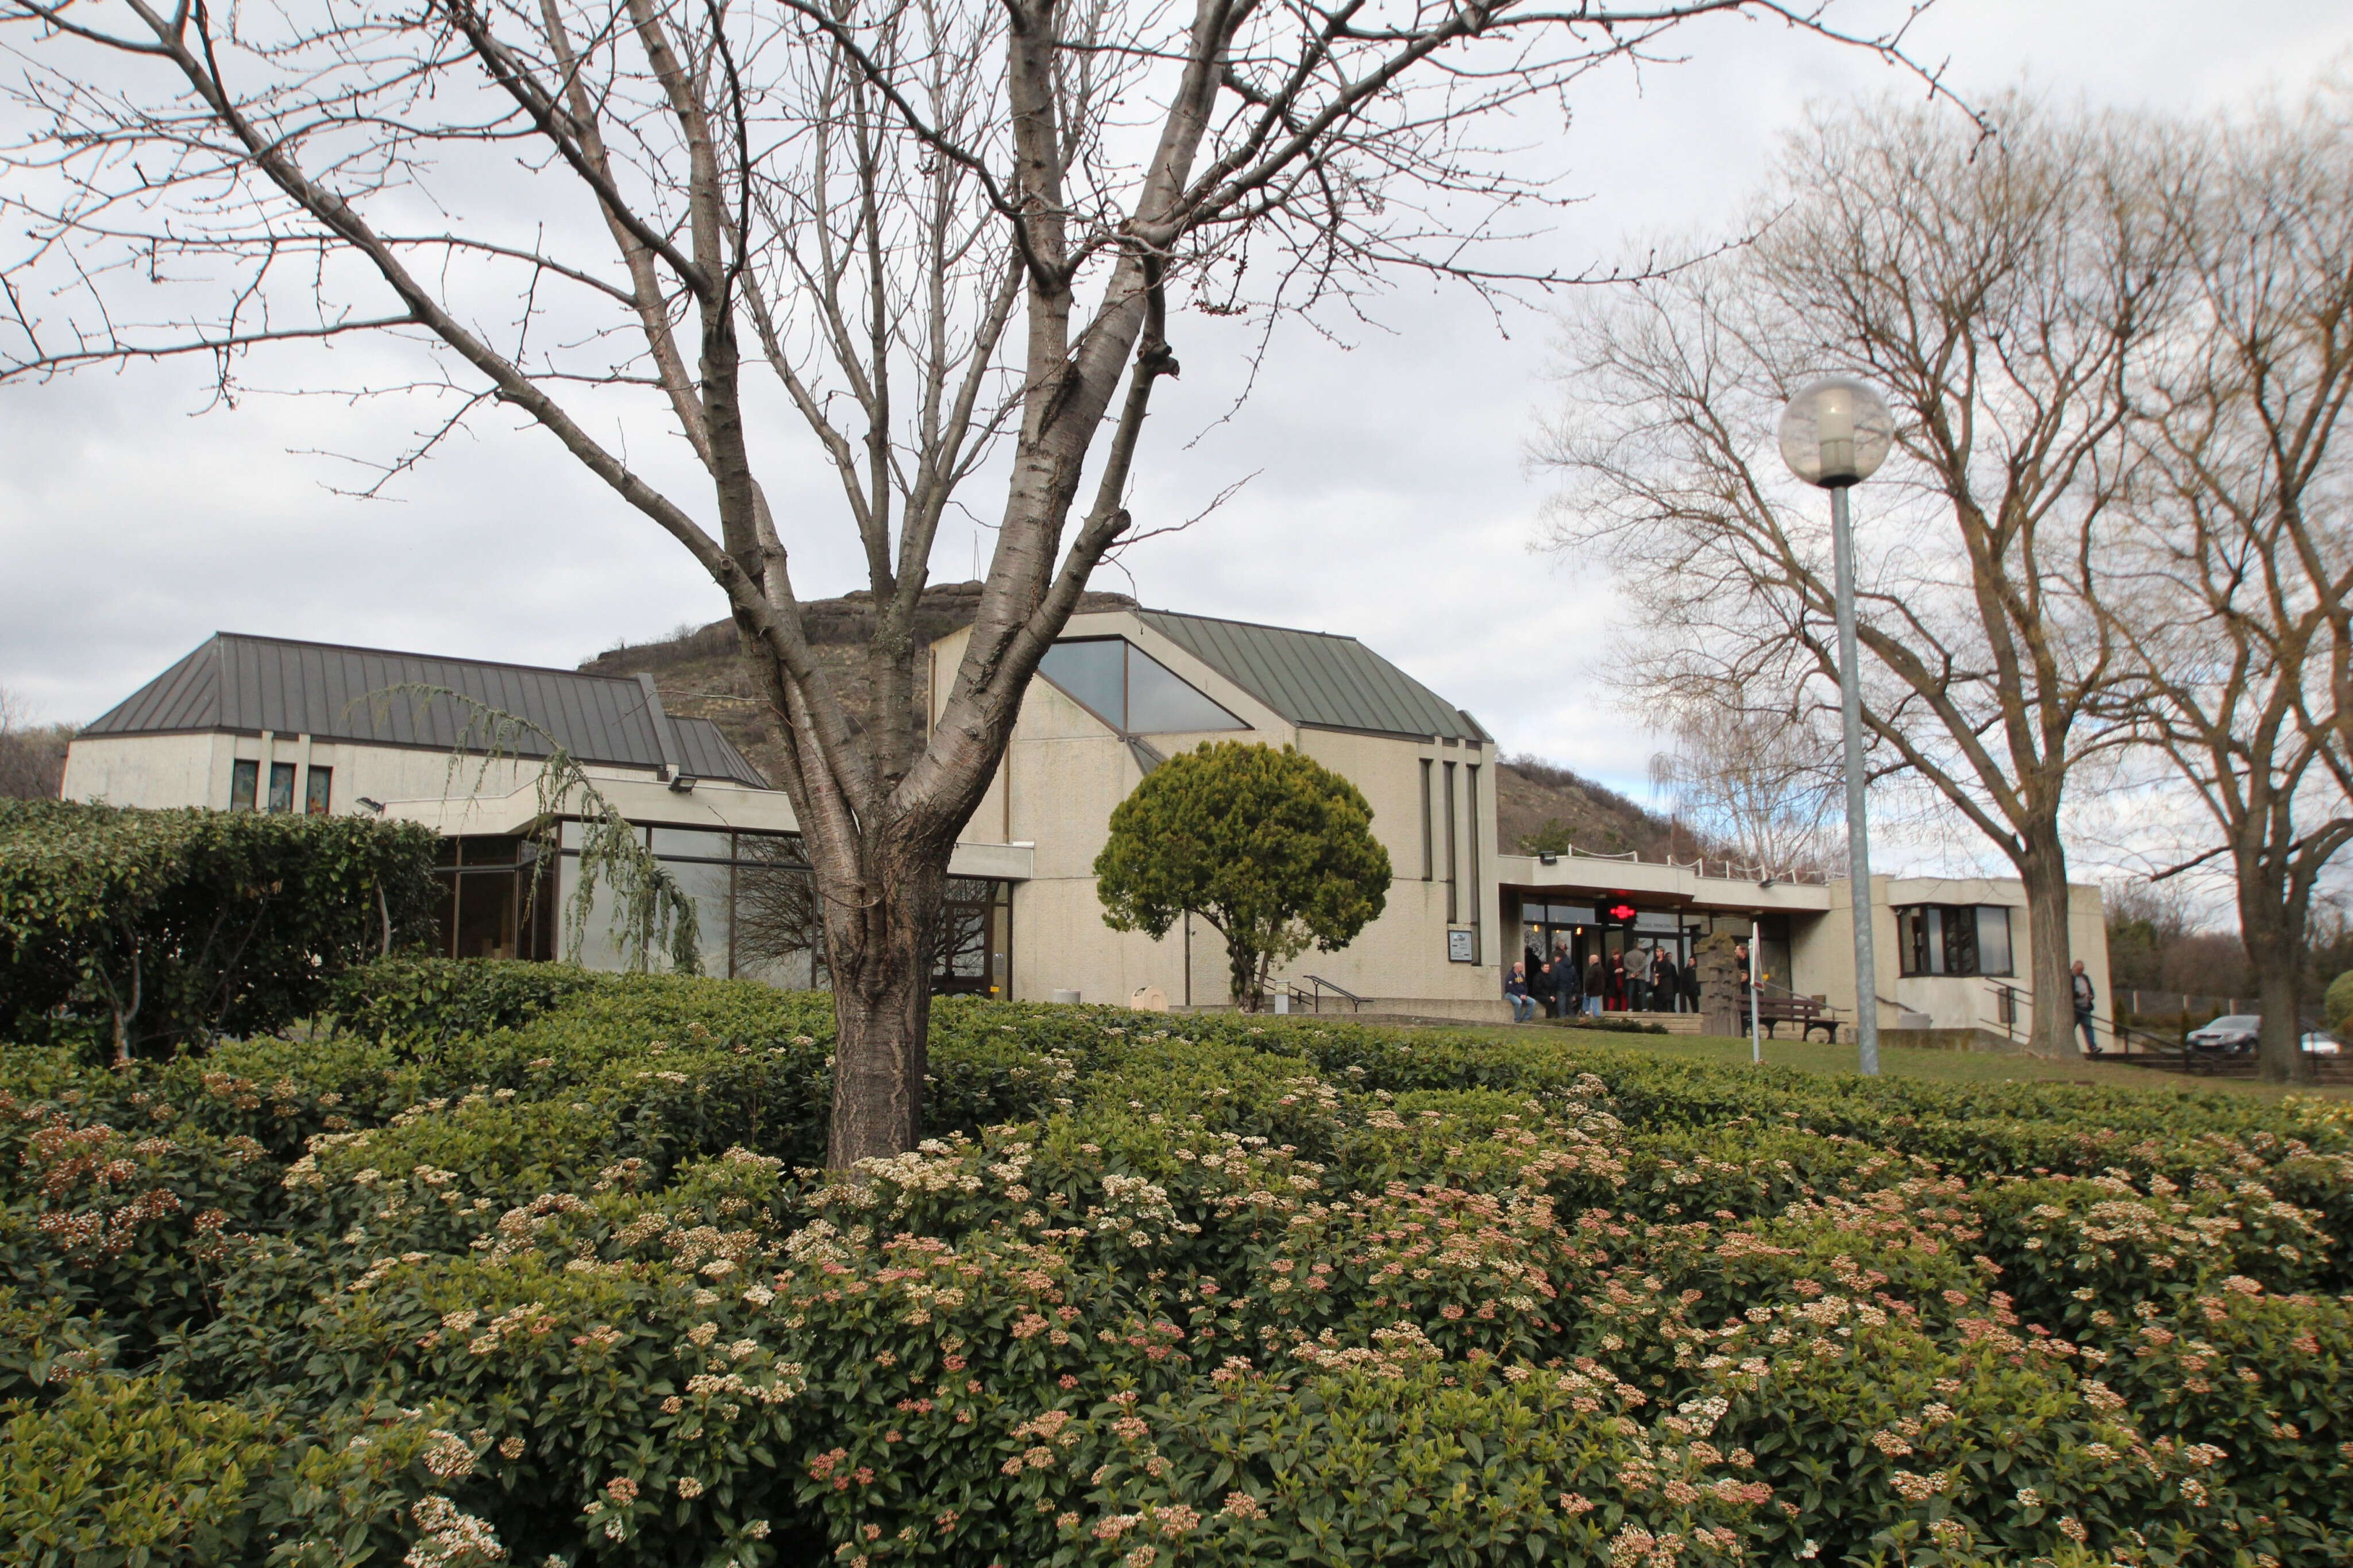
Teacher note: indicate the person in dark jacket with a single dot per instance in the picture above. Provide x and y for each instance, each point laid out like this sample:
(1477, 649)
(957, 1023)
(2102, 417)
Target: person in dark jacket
(1568, 995)
(1596, 985)
(1667, 984)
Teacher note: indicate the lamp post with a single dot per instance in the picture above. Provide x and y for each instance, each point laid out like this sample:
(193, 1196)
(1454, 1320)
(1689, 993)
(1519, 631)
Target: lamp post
(1835, 435)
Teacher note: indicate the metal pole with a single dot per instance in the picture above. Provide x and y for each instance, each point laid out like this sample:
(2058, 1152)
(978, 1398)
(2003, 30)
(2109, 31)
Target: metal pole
(1866, 968)
(1756, 1027)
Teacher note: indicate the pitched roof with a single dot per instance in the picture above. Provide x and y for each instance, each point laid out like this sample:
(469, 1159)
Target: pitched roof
(249, 684)
(1316, 677)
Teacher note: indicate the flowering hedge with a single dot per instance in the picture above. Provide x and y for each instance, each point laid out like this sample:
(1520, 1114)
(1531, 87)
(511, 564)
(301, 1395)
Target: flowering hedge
(558, 1284)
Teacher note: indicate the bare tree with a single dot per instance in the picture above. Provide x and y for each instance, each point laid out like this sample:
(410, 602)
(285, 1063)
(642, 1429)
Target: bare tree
(31, 756)
(1998, 290)
(924, 227)
(1758, 784)
(2237, 605)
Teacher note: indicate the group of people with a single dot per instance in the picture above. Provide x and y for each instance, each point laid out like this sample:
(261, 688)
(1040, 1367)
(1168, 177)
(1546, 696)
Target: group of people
(1646, 980)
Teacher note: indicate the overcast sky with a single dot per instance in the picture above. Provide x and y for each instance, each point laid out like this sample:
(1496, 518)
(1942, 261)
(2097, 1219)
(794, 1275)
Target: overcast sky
(1391, 499)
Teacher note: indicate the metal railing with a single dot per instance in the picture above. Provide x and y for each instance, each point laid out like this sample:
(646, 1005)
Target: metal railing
(1309, 990)
(2129, 1040)
(1724, 869)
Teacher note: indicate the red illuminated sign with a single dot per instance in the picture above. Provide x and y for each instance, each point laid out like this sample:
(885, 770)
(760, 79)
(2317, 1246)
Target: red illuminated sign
(1622, 913)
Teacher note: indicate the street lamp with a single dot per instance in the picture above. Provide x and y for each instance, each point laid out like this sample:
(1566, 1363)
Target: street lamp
(1835, 435)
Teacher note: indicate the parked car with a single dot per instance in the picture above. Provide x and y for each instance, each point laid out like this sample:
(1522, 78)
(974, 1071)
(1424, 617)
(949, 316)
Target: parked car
(2231, 1036)
(2321, 1043)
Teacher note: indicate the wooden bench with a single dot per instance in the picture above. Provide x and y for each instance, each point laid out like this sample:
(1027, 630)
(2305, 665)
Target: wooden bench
(1810, 1013)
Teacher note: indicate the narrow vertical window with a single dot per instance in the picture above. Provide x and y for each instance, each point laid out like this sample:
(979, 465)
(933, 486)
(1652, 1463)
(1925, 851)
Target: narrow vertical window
(244, 782)
(1428, 851)
(281, 786)
(1453, 892)
(1479, 956)
(318, 788)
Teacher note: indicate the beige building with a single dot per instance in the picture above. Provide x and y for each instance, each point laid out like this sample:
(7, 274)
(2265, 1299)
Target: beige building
(267, 724)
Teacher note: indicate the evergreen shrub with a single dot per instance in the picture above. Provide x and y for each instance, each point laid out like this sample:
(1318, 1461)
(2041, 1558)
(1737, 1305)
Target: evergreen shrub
(549, 1276)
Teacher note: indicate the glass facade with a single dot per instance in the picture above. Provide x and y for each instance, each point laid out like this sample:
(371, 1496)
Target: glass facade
(318, 788)
(1952, 939)
(759, 917)
(243, 784)
(281, 786)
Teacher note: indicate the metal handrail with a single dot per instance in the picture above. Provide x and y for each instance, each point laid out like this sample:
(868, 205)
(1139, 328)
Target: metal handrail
(1314, 999)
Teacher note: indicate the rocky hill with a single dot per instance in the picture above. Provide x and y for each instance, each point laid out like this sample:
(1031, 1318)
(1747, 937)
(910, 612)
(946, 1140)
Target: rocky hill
(699, 675)
(1540, 805)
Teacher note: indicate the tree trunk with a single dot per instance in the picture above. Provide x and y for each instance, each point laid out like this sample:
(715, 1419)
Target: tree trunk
(1249, 996)
(2274, 937)
(878, 945)
(2044, 870)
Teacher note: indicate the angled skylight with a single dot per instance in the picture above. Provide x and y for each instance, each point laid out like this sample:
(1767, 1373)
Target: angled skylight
(1130, 691)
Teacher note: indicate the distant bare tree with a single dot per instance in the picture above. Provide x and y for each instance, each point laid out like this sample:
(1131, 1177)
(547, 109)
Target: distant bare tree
(1759, 785)
(2238, 604)
(922, 227)
(31, 756)
(1997, 291)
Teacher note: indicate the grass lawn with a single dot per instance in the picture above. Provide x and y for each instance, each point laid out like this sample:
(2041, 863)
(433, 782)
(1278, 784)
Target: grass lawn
(1944, 1066)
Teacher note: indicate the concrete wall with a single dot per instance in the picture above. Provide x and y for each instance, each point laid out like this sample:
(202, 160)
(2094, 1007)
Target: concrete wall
(1824, 959)
(1066, 771)
(166, 770)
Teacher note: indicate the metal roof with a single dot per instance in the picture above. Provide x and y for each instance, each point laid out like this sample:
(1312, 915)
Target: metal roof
(249, 684)
(1316, 677)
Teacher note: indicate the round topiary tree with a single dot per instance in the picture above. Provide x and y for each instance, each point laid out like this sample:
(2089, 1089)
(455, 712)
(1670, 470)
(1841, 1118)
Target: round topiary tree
(2336, 1006)
(1274, 851)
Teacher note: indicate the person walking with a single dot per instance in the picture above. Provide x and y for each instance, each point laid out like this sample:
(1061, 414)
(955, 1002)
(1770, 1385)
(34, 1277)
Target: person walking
(2086, 1000)
(1516, 992)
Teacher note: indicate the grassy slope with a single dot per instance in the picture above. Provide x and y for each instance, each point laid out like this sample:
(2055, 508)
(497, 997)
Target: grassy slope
(1940, 1067)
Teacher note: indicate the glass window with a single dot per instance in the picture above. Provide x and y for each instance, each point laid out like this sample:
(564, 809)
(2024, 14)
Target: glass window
(281, 786)
(711, 888)
(691, 842)
(1131, 690)
(244, 780)
(1993, 941)
(1161, 702)
(487, 850)
(779, 924)
(318, 785)
(1094, 672)
(486, 914)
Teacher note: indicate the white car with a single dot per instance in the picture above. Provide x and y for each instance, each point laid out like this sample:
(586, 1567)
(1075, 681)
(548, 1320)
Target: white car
(2321, 1043)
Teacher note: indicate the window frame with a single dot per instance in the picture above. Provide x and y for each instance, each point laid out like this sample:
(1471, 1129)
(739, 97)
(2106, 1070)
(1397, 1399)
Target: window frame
(1953, 932)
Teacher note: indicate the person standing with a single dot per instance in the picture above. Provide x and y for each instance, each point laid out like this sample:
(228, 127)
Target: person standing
(1567, 995)
(1596, 985)
(1666, 983)
(1516, 992)
(1638, 979)
(2086, 1000)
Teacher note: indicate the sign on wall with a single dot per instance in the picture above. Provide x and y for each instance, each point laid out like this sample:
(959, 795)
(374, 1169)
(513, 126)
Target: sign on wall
(1460, 947)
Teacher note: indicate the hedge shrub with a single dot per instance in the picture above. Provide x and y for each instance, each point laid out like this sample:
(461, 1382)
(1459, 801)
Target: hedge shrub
(539, 1265)
(151, 929)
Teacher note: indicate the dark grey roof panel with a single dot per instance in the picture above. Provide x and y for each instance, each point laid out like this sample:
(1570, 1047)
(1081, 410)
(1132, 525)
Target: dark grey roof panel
(251, 684)
(1316, 677)
(709, 755)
